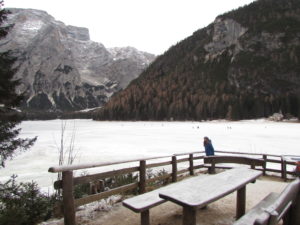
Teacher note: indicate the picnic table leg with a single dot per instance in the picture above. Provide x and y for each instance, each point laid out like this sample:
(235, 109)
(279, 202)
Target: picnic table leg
(145, 218)
(241, 202)
(189, 216)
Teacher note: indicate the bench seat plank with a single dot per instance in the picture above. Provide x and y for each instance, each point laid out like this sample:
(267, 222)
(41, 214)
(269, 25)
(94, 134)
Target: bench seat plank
(144, 201)
(257, 210)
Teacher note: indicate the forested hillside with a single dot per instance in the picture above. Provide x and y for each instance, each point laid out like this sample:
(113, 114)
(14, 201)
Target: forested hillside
(244, 65)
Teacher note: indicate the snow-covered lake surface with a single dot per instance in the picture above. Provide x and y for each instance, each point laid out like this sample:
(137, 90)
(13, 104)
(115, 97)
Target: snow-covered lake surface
(107, 141)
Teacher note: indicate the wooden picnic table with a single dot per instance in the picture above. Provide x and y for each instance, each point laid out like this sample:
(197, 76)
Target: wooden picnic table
(192, 194)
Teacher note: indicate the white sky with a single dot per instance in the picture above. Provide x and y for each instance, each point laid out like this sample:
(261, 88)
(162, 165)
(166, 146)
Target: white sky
(148, 25)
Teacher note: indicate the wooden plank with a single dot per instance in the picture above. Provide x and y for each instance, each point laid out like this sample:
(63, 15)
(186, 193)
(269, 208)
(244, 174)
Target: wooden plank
(57, 169)
(93, 165)
(290, 163)
(199, 166)
(198, 157)
(187, 153)
(145, 201)
(234, 159)
(183, 171)
(273, 170)
(68, 198)
(182, 160)
(96, 197)
(273, 161)
(98, 176)
(159, 164)
(245, 153)
(163, 177)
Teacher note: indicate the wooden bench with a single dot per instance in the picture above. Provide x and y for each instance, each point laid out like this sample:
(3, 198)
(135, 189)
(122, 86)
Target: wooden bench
(202, 189)
(143, 203)
(213, 160)
(275, 207)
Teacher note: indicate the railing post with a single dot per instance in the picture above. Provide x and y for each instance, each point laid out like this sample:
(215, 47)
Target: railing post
(191, 159)
(174, 169)
(283, 168)
(142, 182)
(68, 198)
(212, 168)
(265, 165)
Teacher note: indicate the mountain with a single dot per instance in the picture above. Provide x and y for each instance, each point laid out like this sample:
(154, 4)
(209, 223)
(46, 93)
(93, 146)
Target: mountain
(246, 64)
(61, 69)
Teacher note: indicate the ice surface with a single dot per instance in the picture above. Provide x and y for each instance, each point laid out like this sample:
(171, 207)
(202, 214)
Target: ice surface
(106, 141)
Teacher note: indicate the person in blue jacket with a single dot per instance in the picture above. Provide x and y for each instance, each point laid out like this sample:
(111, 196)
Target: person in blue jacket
(209, 149)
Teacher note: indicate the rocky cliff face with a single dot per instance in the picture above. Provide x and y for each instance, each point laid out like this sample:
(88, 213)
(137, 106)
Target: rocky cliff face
(244, 65)
(61, 68)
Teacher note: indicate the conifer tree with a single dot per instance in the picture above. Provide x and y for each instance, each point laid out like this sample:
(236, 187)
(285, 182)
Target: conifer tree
(10, 144)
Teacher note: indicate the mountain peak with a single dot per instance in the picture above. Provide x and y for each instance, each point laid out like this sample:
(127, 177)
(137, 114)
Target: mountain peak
(61, 68)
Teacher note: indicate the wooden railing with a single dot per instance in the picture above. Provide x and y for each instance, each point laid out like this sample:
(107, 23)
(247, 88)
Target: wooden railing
(192, 159)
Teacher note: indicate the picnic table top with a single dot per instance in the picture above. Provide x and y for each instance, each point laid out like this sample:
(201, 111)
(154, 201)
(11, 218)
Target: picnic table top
(196, 192)
(190, 186)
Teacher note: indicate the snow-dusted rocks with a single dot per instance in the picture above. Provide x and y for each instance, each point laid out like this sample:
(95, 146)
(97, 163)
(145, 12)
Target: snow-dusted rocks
(61, 68)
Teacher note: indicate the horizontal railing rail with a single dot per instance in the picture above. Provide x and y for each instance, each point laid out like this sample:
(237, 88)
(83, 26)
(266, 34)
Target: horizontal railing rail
(192, 161)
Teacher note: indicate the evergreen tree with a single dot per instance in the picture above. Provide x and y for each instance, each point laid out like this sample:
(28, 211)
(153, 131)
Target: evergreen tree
(10, 144)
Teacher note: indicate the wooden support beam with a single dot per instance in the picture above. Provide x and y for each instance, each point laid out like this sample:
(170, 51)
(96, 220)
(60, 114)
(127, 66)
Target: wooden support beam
(191, 160)
(174, 169)
(265, 165)
(189, 216)
(142, 181)
(145, 217)
(212, 168)
(283, 169)
(68, 198)
(241, 202)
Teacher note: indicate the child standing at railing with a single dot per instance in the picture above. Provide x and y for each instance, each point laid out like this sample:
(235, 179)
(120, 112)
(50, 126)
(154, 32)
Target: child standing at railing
(209, 149)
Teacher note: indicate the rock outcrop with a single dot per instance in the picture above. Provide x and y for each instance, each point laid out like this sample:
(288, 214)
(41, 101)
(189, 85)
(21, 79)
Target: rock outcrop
(61, 69)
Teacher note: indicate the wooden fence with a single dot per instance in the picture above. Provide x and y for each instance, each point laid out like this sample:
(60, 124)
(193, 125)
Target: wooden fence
(193, 160)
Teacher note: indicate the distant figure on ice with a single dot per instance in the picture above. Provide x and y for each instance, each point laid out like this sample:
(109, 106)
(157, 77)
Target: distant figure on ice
(209, 149)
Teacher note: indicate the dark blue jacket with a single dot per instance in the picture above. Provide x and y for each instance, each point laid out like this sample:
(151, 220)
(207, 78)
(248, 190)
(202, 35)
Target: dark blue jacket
(209, 149)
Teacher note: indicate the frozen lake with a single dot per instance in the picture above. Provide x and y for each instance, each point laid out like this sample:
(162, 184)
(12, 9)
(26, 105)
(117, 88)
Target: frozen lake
(106, 141)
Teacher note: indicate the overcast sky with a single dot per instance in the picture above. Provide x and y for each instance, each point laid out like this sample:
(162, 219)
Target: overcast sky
(148, 25)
